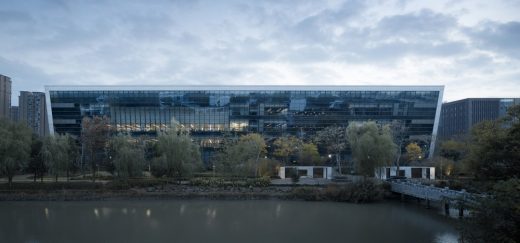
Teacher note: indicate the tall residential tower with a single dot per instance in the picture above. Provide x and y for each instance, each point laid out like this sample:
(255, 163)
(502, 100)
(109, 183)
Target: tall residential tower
(5, 96)
(32, 110)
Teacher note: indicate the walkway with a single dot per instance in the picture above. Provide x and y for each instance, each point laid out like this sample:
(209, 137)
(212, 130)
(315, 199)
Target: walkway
(445, 196)
(428, 192)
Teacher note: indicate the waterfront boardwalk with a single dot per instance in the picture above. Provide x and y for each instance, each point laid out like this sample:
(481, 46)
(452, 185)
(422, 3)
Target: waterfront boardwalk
(444, 196)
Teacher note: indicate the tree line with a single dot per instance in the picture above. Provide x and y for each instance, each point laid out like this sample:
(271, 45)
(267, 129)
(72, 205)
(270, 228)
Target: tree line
(174, 153)
(488, 160)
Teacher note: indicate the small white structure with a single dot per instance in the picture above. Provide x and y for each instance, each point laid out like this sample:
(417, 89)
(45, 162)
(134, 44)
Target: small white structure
(411, 172)
(316, 172)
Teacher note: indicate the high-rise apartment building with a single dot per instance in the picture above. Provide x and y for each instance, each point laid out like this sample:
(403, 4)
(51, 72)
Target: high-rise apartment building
(32, 111)
(5, 96)
(14, 113)
(459, 116)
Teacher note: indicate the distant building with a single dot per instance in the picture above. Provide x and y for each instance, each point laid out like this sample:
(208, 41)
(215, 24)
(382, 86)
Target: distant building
(459, 116)
(14, 113)
(5, 96)
(32, 111)
(410, 172)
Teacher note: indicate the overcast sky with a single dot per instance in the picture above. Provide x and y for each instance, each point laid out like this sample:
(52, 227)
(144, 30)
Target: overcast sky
(472, 47)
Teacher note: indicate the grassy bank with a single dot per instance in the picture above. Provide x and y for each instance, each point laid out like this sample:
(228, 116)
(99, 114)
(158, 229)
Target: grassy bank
(358, 192)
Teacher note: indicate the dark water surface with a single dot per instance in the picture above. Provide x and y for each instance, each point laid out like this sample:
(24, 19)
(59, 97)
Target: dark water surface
(221, 221)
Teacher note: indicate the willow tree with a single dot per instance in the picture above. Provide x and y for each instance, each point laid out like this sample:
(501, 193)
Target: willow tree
(58, 155)
(15, 148)
(241, 158)
(178, 155)
(372, 146)
(127, 156)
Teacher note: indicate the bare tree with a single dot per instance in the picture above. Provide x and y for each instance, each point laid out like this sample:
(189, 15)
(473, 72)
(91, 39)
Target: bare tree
(335, 141)
(400, 136)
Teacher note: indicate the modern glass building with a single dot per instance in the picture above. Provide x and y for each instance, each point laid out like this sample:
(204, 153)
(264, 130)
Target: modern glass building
(211, 111)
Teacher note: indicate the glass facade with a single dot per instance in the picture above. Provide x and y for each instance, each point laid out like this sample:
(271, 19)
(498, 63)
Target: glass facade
(272, 112)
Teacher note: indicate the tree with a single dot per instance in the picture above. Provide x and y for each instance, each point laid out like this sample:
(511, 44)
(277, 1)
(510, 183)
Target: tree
(178, 156)
(334, 140)
(241, 158)
(57, 154)
(372, 146)
(309, 155)
(453, 150)
(36, 164)
(268, 167)
(444, 166)
(400, 136)
(494, 148)
(413, 152)
(285, 147)
(127, 157)
(15, 148)
(94, 136)
(495, 217)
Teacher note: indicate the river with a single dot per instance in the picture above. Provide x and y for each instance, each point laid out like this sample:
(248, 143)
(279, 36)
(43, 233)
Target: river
(221, 221)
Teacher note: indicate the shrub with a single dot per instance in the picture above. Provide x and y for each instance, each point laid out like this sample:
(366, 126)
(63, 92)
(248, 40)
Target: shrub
(268, 167)
(52, 186)
(358, 192)
(263, 181)
(207, 182)
(307, 193)
(158, 166)
(139, 183)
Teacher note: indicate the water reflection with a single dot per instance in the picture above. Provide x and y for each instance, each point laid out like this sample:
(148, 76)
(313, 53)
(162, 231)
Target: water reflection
(211, 214)
(220, 221)
(446, 238)
(181, 210)
(278, 209)
(106, 211)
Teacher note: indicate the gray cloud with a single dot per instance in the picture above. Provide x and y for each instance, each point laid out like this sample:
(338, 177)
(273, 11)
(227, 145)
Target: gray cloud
(425, 25)
(500, 37)
(241, 42)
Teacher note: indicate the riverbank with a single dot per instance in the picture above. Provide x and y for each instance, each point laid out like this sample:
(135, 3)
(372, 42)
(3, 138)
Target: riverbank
(358, 192)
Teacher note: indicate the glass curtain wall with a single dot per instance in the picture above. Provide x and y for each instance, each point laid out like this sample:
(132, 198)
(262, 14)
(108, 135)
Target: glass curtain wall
(209, 114)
